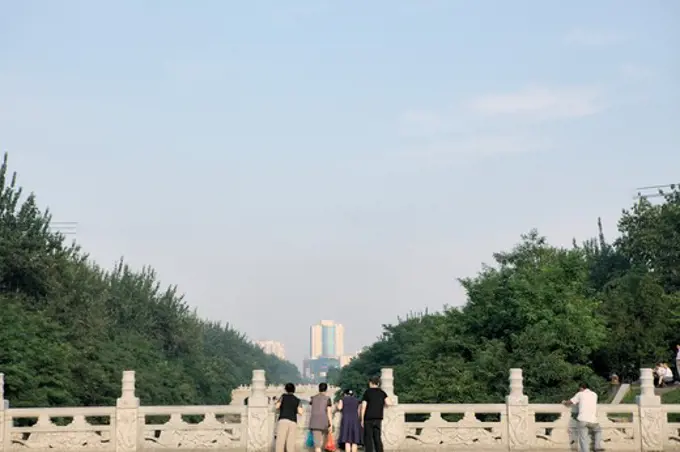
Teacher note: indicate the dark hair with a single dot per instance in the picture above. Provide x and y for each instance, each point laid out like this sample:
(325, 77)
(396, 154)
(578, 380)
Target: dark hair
(349, 392)
(290, 388)
(374, 381)
(323, 387)
(583, 385)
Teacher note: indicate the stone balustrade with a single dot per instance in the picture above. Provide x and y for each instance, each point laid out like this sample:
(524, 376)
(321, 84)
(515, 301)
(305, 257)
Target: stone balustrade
(304, 392)
(515, 425)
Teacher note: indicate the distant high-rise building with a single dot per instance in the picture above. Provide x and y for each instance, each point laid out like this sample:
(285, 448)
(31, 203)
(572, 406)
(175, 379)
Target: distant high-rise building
(326, 348)
(327, 340)
(273, 348)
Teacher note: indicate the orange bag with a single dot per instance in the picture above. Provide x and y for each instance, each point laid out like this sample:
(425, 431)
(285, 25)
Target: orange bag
(330, 443)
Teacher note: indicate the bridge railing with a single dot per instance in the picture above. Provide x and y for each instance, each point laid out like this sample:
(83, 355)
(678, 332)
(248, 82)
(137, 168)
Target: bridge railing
(515, 425)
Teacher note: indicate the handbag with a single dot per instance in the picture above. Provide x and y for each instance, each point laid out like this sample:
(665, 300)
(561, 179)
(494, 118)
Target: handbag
(330, 443)
(309, 443)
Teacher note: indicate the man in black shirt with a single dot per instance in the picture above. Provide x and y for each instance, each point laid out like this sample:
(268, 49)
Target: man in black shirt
(289, 408)
(372, 410)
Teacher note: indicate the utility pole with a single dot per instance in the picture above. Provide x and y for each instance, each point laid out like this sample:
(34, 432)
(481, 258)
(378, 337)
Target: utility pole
(654, 191)
(64, 227)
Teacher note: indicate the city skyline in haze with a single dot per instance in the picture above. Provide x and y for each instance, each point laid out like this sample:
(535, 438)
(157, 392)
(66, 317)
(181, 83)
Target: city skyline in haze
(284, 162)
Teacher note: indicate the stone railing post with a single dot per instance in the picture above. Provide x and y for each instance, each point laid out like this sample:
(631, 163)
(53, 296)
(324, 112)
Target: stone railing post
(652, 418)
(259, 434)
(393, 429)
(520, 420)
(127, 416)
(4, 435)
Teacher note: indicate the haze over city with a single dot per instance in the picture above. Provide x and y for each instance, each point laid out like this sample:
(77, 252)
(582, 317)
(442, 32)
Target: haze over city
(286, 162)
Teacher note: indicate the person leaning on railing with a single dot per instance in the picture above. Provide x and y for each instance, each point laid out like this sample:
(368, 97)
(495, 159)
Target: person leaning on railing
(289, 409)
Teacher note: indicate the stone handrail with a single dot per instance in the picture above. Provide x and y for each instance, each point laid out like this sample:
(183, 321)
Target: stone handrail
(191, 410)
(515, 425)
(416, 408)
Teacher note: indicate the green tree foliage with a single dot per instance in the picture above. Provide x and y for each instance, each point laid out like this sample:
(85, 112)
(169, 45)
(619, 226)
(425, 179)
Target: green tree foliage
(69, 328)
(563, 315)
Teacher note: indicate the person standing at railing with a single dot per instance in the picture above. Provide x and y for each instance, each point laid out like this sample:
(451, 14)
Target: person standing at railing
(289, 408)
(320, 417)
(350, 428)
(372, 411)
(586, 401)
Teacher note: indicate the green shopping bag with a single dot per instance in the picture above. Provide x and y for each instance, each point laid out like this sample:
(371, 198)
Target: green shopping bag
(310, 440)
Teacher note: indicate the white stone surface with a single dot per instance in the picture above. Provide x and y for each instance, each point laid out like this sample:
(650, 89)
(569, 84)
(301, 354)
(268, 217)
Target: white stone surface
(514, 425)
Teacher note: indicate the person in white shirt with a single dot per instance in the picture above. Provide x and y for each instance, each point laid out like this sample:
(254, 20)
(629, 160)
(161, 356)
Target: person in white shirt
(677, 361)
(659, 373)
(668, 374)
(586, 400)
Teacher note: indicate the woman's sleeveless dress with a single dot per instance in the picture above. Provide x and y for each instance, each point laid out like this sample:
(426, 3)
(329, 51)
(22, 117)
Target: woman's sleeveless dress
(350, 427)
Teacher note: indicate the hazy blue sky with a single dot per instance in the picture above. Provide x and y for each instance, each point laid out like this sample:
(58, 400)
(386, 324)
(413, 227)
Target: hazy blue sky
(290, 161)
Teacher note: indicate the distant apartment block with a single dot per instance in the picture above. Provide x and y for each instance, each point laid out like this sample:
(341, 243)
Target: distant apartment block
(326, 349)
(327, 340)
(273, 348)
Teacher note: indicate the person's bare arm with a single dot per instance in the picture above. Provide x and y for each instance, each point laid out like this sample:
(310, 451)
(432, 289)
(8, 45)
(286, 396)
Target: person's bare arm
(301, 410)
(387, 401)
(340, 405)
(571, 402)
(329, 411)
(362, 412)
(278, 404)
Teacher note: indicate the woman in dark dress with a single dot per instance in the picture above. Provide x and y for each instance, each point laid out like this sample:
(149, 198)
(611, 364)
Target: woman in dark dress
(350, 428)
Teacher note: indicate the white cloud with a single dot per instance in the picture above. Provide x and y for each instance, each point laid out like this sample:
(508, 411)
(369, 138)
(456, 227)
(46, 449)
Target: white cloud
(592, 38)
(482, 145)
(636, 72)
(194, 71)
(493, 124)
(541, 103)
(421, 123)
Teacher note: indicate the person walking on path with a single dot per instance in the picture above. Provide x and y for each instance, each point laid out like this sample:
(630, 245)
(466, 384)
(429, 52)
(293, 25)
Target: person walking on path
(677, 361)
(350, 427)
(586, 400)
(320, 417)
(372, 412)
(289, 408)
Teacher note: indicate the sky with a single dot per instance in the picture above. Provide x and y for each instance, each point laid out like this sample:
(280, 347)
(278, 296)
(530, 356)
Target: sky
(285, 162)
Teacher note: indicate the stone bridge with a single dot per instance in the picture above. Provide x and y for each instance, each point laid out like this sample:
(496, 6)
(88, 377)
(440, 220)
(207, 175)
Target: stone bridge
(511, 426)
(303, 392)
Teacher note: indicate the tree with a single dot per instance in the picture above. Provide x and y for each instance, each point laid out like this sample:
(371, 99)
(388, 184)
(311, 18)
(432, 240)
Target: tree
(650, 238)
(68, 328)
(640, 318)
(532, 309)
(563, 315)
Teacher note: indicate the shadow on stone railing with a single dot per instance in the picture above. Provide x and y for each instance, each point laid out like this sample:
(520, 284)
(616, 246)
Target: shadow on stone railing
(514, 425)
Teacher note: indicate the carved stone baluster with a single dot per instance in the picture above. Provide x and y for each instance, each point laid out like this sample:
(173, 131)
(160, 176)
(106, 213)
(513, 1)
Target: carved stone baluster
(394, 428)
(520, 417)
(127, 416)
(652, 419)
(259, 431)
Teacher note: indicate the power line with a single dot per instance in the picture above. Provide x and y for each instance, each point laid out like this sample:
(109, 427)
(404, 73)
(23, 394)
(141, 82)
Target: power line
(658, 191)
(64, 227)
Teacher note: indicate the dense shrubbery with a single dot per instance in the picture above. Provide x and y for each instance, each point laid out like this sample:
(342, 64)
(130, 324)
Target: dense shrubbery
(68, 328)
(563, 315)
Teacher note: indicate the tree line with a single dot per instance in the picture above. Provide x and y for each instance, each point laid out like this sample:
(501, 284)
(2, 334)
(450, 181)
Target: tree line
(68, 327)
(563, 315)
